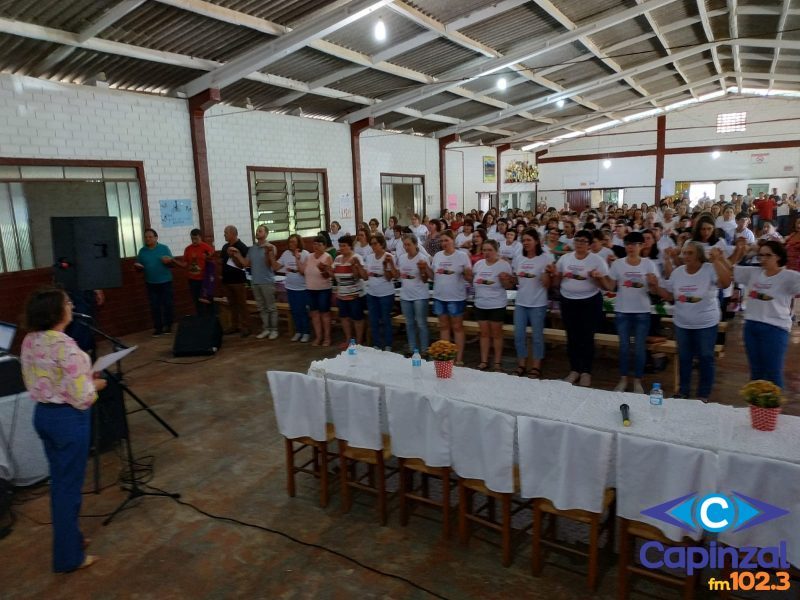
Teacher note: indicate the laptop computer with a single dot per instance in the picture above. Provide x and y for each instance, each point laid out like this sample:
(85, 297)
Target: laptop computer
(7, 333)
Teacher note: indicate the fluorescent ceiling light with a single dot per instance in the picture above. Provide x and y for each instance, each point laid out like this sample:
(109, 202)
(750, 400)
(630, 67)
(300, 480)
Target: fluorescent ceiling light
(380, 30)
(606, 164)
(600, 126)
(502, 83)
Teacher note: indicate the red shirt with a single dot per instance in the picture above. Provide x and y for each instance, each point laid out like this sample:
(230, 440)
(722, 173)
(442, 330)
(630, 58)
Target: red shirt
(765, 208)
(195, 258)
(456, 225)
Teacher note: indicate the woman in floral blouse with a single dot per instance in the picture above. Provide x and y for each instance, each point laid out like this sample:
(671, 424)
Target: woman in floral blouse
(59, 378)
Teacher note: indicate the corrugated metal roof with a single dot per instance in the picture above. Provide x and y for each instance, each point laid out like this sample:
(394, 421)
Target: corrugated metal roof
(170, 29)
(620, 97)
(435, 101)
(637, 54)
(375, 84)
(436, 57)
(580, 10)
(619, 33)
(561, 56)
(675, 11)
(260, 94)
(580, 73)
(69, 16)
(520, 93)
(522, 24)
(469, 110)
(21, 56)
(283, 12)
(358, 36)
(307, 65)
(445, 11)
(685, 37)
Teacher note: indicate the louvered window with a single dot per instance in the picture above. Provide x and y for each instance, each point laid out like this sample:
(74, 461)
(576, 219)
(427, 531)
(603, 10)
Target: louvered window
(287, 202)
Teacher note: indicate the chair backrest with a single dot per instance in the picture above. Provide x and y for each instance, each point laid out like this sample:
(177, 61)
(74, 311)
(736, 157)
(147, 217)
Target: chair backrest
(772, 481)
(419, 426)
(356, 413)
(564, 463)
(299, 402)
(482, 445)
(650, 473)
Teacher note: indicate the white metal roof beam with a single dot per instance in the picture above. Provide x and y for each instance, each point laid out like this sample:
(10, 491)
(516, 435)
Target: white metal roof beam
(106, 20)
(272, 51)
(771, 76)
(781, 26)
(701, 7)
(579, 89)
(733, 28)
(656, 29)
(464, 74)
(535, 132)
(566, 22)
(773, 11)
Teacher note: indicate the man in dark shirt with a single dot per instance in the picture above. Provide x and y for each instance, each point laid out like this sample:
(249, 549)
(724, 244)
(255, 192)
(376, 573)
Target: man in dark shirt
(234, 281)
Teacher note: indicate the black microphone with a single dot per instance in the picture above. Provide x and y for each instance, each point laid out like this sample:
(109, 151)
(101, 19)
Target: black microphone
(626, 417)
(83, 316)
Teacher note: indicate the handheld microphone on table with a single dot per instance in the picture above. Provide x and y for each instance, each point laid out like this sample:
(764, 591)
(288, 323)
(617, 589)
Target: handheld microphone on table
(626, 416)
(83, 316)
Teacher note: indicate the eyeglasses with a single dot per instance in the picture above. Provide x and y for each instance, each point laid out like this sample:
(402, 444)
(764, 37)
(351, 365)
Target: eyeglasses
(70, 303)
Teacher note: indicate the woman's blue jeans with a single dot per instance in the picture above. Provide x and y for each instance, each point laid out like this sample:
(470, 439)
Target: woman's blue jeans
(697, 343)
(416, 316)
(638, 326)
(298, 305)
(766, 350)
(380, 319)
(533, 316)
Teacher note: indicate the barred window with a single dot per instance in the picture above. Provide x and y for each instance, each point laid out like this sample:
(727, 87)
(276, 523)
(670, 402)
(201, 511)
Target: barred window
(287, 201)
(730, 122)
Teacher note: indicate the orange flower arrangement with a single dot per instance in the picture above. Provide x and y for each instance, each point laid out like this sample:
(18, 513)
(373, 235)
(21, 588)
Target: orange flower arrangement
(762, 393)
(442, 350)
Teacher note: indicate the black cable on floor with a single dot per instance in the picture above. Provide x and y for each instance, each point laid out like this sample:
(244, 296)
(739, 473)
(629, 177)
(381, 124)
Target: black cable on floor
(307, 544)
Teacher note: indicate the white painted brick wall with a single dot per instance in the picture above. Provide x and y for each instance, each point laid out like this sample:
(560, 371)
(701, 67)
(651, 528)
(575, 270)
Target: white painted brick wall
(42, 119)
(238, 139)
(383, 152)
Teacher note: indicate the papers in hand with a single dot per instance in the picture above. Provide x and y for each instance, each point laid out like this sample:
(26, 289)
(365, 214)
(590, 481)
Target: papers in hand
(231, 263)
(109, 359)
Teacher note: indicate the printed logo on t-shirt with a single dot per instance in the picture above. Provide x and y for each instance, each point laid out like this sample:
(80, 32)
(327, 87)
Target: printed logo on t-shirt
(633, 280)
(685, 294)
(756, 294)
(575, 273)
(526, 275)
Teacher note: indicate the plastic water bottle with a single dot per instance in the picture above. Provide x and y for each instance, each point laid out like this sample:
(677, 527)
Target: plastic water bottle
(657, 403)
(352, 353)
(416, 365)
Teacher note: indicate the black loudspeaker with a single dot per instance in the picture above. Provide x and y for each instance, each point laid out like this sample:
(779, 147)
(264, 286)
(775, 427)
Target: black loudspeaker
(197, 336)
(10, 376)
(111, 421)
(86, 252)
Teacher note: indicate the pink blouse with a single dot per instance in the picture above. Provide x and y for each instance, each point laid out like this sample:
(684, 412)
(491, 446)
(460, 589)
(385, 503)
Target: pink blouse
(56, 370)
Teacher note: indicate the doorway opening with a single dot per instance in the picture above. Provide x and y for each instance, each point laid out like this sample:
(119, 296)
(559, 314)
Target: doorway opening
(402, 196)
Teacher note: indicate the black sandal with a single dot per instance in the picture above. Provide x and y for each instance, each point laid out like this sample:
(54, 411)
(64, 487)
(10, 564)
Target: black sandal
(498, 368)
(483, 366)
(519, 371)
(535, 373)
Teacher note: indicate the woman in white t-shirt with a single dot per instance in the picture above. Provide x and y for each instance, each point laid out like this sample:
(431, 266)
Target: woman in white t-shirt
(388, 233)
(491, 276)
(509, 247)
(361, 245)
(632, 308)
(412, 270)
(464, 239)
(533, 280)
(768, 320)
(335, 232)
(380, 292)
(581, 275)
(450, 271)
(418, 229)
(295, 285)
(693, 288)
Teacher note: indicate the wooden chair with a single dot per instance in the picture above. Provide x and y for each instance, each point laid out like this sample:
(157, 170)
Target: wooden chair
(299, 402)
(420, 432)
(356, 415)
(645, 480)
(482, 443)
(565, 469)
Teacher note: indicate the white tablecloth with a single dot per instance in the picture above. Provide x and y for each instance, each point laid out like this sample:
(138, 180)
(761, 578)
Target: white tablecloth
(22, 458)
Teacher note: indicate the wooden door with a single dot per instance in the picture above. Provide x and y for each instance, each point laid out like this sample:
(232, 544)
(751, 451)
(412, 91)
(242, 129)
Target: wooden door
(579, 200)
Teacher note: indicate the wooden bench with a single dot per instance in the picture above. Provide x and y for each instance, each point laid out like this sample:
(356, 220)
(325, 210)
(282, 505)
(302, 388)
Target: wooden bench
(603, 340)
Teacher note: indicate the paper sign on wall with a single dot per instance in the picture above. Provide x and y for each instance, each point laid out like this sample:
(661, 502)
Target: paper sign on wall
(345, 206)
(176, 213)
(759, 158)
(452, 202)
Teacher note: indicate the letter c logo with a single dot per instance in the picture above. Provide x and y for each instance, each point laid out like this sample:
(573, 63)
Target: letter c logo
(714, 513)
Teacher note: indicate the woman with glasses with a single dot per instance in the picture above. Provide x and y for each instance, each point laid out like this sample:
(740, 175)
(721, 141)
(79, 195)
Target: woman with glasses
(295, 285)
(491, 277)
(581, 274)
(380, 292)
(412, 270)
(693, 288)
(316, 269)
(768, 319)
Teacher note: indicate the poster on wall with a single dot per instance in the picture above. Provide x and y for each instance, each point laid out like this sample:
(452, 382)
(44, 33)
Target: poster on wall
(760, 158)
(176, 213)
(489, 169)
(345, 206)
(452, 202)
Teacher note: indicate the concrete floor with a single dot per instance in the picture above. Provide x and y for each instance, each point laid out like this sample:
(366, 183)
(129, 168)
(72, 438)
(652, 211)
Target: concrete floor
(229, 461)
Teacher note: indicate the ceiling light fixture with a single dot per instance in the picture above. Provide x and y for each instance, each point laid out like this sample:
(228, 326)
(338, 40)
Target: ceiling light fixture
(561, 103)
(380, 30)
(502, 84)
(716, 154)
(606, 164)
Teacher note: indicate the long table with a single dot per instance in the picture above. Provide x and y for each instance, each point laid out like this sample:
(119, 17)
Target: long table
(22, 458)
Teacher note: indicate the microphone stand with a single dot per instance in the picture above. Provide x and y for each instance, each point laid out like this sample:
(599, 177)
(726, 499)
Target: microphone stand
(134, 490)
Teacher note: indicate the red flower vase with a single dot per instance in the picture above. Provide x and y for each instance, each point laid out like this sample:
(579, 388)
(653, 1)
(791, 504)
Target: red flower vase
(764, 419)
(444, 368)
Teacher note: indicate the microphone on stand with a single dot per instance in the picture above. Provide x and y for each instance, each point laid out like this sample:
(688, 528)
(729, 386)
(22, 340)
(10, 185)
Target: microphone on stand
(83, 316)
(626, 418)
